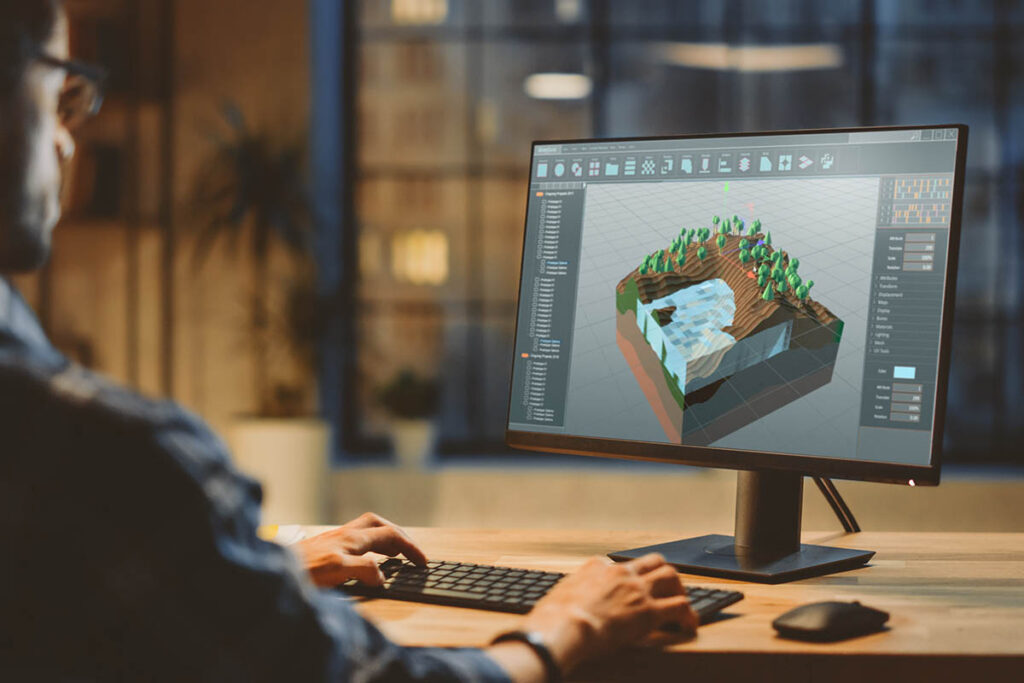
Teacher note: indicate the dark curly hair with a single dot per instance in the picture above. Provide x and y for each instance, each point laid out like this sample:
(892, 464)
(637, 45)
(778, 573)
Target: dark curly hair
(24, 25)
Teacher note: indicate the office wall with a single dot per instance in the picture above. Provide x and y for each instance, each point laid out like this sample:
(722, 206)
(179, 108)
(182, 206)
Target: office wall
(686, 501)
(253, 53)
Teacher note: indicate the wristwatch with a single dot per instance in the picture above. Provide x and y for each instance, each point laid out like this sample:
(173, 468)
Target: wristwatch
(536, 643)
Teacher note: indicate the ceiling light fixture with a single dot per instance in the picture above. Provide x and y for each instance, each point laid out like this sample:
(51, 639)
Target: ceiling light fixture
(752, 58)
(558, 86)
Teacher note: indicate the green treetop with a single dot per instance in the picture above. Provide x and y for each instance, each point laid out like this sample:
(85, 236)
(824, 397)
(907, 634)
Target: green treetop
(745, 256)
(794, 280)
(764, 270)
(801, 292)
(681, 259)
(768, 293)
(782, 287)
(721, 242)
(794, 263)
(744, 244)
(702, 253)
(768, 238)
(810, 283)
(756, 225)
(716, 220)
(761, 279)
(777, 274)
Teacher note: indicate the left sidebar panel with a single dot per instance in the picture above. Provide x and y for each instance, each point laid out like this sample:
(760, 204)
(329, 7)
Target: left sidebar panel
(547, 307)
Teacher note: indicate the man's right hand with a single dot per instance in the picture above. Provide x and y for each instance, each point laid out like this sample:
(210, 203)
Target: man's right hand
(604, 607)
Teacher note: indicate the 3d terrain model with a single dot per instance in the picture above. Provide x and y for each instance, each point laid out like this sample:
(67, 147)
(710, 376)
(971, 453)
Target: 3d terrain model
(719, 335)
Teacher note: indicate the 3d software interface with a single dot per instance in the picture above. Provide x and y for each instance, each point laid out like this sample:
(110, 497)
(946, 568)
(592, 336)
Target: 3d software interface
(779, 294)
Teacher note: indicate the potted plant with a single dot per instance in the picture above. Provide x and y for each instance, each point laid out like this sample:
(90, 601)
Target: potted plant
(252, 194)
(412, 402)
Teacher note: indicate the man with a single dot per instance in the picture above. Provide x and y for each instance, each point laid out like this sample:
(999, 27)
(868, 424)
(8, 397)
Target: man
(130, 547)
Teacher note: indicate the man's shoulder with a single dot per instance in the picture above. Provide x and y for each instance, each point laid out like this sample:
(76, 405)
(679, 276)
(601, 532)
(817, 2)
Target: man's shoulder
(66, 390)
(57, 410)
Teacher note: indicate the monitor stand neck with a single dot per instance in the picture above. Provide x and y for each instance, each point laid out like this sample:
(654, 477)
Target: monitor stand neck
(768, 509)
(766, 547)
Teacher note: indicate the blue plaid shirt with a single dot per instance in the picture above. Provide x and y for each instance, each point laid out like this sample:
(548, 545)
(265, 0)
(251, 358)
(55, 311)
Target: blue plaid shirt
(130, 549)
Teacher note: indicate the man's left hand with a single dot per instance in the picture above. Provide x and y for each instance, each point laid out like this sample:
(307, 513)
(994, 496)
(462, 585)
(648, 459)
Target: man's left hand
(335, 556)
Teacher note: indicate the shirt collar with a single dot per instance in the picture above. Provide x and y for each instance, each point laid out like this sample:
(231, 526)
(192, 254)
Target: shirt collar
(18, 323)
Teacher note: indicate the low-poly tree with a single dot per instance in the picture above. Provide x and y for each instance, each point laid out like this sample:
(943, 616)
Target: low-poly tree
(777, 274)
(794, 263)
(756, 225)
(768, 239)
(745, 256)
(782, 286)
(801, 292)
(723, 229)
(769, 293)
(794, 280)
(702, 253)
(761, 279)
(721, 242)
(716, 220)
(744, 244)
(764, 270)
(810, 283)
(681, 259)
(739, 228)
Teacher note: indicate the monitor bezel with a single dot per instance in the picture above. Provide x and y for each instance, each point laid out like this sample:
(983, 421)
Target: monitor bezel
(702, 456)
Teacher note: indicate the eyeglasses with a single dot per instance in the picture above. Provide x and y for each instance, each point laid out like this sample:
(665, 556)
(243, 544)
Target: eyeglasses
(82, 95)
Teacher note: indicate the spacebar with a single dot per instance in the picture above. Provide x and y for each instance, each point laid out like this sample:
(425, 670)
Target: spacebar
(434, 593)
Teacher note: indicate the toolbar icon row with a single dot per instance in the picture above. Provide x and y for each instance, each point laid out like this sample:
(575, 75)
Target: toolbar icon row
(697, 163)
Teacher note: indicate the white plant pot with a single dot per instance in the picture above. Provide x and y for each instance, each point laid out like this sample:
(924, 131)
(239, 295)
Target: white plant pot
(413, 441)
(289, 457)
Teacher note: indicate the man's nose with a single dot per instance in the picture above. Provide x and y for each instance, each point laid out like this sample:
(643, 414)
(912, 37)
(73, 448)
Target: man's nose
(65, 144)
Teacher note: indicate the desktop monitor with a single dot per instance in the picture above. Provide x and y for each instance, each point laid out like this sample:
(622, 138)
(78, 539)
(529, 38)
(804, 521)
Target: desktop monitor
(779, 303)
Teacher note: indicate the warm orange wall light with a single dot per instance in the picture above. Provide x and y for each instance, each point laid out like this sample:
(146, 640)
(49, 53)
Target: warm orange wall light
(420, 257)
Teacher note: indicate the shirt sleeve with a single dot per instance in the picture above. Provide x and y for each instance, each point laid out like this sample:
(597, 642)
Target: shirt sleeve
(156, 571)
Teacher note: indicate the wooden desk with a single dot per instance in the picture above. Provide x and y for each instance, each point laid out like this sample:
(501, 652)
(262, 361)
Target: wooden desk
(956, 603)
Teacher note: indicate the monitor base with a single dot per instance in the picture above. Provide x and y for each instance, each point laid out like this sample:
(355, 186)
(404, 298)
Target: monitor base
(716, 555)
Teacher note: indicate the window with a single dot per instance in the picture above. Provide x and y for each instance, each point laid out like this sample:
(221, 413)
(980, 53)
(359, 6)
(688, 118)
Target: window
(451, 92)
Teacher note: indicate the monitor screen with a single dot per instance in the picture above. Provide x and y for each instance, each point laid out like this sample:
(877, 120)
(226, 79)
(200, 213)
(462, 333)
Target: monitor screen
(780, 294)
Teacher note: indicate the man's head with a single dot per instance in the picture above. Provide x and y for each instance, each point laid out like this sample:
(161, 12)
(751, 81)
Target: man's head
(33, 140)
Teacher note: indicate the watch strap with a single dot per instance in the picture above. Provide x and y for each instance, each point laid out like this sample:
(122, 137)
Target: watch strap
(535, 641)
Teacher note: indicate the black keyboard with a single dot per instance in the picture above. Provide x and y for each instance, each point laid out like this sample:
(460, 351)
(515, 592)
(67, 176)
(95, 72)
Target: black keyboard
(502, 589)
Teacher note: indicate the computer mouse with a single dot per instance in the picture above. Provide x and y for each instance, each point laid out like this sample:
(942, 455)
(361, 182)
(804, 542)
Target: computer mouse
(830, 621)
